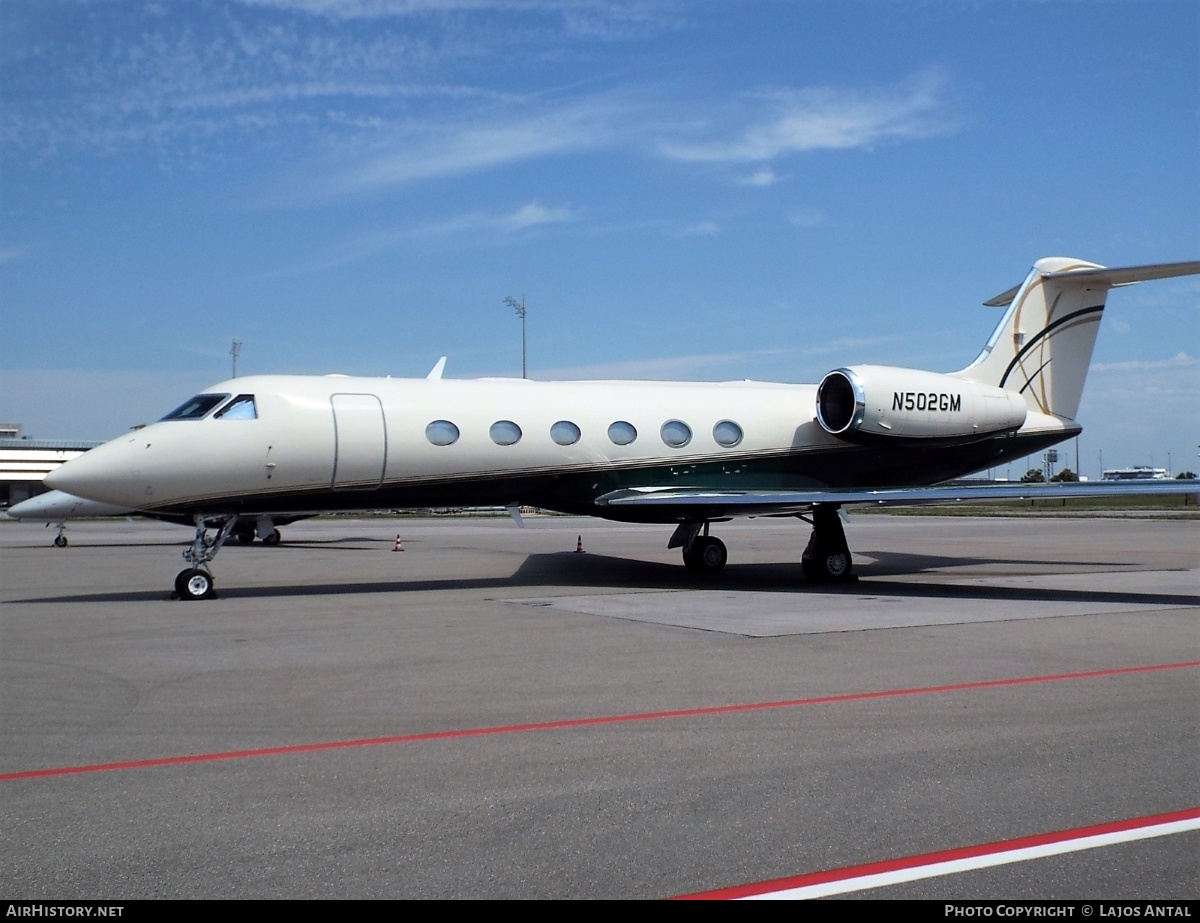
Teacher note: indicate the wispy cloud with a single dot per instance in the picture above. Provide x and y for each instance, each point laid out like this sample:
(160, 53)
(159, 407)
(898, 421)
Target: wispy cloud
(378, 94)
(697, 229)
(1178, 361)
(530, 215)
(533, 214)
(471, 224)
(791, 121)
(9, 254)
(371, 9)
(807, 218)
(431, 150)
(194, 85)
(606, 20)
(675, 368)
(764, 176)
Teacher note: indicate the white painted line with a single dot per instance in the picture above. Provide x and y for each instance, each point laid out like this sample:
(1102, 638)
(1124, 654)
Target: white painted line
(988, 860)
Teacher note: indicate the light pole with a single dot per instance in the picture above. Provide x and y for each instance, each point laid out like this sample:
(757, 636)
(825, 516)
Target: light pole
(519, 307)
(235, 350)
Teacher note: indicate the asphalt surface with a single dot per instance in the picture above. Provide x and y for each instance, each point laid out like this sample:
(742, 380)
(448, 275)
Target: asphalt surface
(490, 714)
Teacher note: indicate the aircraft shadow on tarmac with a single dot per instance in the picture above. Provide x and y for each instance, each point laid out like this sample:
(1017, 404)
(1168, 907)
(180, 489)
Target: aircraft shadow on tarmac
(602, 572)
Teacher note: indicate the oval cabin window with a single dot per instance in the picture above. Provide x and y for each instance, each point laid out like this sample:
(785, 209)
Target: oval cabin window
(676, 433)
(622, 433)
(727, 434)
(442, 432)
(564, 432)
(505, 432)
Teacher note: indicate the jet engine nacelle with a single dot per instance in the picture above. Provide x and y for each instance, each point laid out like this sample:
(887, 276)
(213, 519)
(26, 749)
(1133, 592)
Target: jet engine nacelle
(876, 403)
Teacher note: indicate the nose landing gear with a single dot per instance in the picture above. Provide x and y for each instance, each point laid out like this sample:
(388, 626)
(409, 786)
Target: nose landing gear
(196, 582)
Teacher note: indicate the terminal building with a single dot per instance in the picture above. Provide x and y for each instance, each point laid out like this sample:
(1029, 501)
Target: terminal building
(1137, 473)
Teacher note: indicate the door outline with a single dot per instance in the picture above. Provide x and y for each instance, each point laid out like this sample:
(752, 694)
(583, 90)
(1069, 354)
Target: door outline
(360, 441)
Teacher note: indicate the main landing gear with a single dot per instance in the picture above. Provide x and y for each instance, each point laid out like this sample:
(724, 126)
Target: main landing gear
(196, 581)
(702, 553)
(826, 558)
(264, 528)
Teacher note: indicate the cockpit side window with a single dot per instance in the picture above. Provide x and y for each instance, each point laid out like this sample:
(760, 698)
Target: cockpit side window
(196, 407)
(240, 408)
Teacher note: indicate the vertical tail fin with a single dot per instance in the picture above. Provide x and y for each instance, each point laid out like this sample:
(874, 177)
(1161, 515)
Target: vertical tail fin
(1043, 345)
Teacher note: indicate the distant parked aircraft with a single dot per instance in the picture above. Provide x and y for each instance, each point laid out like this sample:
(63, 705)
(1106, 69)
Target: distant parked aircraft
(57, 507)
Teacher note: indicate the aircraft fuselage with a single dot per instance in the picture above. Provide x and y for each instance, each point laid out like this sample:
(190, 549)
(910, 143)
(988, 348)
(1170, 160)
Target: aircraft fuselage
(333, 442)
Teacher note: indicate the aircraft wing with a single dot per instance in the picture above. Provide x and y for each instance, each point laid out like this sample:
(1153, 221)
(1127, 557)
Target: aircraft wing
(725, 503)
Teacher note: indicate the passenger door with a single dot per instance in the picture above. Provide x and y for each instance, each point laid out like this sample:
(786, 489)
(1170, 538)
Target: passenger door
(360, 442)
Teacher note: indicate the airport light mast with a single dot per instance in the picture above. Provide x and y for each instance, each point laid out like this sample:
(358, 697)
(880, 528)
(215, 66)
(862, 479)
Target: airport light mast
(235, 350)
(519, 307)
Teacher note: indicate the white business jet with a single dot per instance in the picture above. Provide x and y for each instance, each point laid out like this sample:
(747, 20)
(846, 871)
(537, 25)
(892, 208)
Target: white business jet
(55, 507)
(682, 453)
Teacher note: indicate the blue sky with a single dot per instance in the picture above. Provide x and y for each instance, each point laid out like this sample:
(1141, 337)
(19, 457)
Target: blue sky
(695, 190)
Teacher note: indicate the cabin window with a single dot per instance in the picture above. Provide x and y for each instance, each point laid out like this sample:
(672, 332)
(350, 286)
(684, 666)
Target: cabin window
(442, 432)
(676, 433)
(196, 407)
(564, 432)
(505, 432)
(727, 433)
(240, 408)
(622, 433)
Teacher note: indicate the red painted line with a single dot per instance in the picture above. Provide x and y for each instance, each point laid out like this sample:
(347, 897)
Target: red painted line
(588, 722)
(948, 855)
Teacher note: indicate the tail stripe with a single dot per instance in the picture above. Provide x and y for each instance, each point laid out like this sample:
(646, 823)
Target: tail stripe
(1030, 380)
(1046, 331)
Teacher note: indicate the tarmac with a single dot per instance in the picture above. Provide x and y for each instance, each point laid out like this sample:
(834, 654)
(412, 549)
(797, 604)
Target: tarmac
(488, 713)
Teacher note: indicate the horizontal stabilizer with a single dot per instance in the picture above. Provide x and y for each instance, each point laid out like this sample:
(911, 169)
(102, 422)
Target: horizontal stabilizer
(1108, 277)
(1004, 299)
(1127, 275)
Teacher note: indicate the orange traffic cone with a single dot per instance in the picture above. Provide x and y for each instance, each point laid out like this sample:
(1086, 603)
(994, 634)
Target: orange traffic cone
(579, 545)
(399, 546)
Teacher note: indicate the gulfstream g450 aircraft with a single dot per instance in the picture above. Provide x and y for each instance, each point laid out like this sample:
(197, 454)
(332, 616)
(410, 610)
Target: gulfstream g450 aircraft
(682, 453)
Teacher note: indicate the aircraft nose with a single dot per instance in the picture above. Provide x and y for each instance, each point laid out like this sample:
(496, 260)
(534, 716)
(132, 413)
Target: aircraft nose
(104, 474)
(44, 506)
(54, 505)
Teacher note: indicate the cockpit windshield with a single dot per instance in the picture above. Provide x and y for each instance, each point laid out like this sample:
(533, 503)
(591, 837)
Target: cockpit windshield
(240, 408)
(196, 407)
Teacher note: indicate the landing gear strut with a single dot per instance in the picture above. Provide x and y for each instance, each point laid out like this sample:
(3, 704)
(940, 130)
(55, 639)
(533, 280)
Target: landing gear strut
(246, 531)
(827, 558)
(702, 553)
(196, 581)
